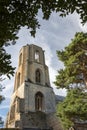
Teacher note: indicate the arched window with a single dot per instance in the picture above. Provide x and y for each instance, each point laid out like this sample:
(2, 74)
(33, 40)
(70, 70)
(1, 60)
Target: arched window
(38, 101)
(38, 76)
(37, 56)
(18, 83)
(12, 112)
(20, 59)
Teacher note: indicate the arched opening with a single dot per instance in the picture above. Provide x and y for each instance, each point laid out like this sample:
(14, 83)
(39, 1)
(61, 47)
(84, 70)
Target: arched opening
(18, 83)
(39, 101)
(20, 59)
(12, 112)
(38, 76)
(37, 56)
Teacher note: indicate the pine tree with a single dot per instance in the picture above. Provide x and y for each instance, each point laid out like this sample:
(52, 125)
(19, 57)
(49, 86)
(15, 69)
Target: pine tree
(74, 58)
(73, 77)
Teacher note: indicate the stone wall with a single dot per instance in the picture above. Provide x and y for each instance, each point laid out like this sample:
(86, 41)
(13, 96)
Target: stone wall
(53, 122)
(80, 126)
(33, 120)
(31, 95)
(48, 98)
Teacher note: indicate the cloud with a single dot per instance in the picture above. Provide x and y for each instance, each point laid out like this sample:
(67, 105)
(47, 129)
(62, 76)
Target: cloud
(8, 88)
(3, 117)
(83, 27)
(54, 34)
(4, 107)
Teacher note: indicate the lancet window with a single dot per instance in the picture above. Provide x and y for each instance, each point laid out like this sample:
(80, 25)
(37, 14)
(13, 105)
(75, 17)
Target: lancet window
(12, 112)
(37, 56)
(20, 59)
(38, 101)
(18, 83)
(38, 76)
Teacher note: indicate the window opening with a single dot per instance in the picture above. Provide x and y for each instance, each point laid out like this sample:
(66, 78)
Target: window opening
(38, 76)
(39, 101)
(20, 59)
(12, 112)
(37, 56)
(18, 79)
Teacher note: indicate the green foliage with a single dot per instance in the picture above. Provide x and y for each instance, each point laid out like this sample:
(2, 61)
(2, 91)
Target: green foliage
(5, 63)
(5, 69)
(17, 13)
(1, 122)
(73, 108)
(73, 77)
(74, 58)
(1, 97)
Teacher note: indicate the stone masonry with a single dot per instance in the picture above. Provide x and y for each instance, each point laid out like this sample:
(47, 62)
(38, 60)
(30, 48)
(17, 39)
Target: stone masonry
(33, 99)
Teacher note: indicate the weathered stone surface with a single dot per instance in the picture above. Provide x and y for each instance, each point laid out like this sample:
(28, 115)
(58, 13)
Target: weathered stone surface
(53, 122)
(33, 97)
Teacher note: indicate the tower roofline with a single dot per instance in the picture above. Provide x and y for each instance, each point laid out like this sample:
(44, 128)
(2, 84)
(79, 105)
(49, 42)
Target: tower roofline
(31, 45)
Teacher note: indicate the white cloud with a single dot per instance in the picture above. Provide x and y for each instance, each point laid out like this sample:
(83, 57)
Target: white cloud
(3, 117)
(53, 35)
(83, 27)
(8, 88)
(4, 106)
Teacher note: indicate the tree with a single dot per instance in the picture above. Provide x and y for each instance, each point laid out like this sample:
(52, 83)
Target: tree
(1, 122)
(73, 108)
(74, 58)
(73, 77)
(5, 64)
(5, 69)
(1, 99)
(15, 14)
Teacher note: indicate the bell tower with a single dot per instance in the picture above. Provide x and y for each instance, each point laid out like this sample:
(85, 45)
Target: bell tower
(33, 97)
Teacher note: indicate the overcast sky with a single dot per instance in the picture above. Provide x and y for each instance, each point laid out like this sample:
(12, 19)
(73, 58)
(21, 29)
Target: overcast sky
(53, 35)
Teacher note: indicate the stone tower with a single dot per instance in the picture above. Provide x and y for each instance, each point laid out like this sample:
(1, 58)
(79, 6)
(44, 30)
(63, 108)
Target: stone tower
(33, 98)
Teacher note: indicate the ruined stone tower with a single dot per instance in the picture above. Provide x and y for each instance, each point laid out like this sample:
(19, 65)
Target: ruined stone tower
(33, 99)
